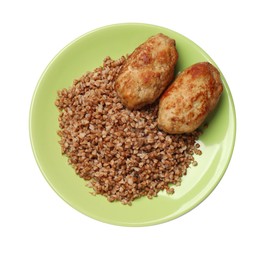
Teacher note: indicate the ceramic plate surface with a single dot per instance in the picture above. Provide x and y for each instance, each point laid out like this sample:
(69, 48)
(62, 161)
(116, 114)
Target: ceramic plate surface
(85, 54)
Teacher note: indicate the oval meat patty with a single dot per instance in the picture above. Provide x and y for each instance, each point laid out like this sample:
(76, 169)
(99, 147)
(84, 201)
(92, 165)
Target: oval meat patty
(147, 72)
(190, 98)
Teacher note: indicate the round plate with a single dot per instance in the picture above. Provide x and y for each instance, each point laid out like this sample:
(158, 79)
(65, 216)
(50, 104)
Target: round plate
(85, 54)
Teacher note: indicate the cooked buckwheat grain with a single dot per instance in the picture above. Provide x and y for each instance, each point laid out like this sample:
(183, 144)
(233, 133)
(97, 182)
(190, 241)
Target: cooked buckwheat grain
(121, 153)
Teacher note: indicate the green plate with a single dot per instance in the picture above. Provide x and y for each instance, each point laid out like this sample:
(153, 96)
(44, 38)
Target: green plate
(87, 53)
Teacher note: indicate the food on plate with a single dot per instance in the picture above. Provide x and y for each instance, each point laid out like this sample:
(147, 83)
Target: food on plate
(120, 153)
(147, 72)
(189, 99)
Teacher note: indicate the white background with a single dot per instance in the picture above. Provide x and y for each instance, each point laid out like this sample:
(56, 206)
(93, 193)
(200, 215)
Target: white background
(36, 224)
